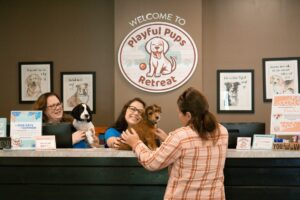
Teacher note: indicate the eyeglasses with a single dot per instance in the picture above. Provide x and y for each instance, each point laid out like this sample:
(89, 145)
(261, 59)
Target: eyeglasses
(54, 106)
(134, 109)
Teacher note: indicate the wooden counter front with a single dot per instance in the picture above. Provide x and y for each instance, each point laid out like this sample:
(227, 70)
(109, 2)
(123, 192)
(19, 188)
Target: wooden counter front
(113, 175)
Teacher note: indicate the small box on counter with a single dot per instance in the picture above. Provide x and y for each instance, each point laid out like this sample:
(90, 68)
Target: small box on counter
(3, 122)
(294, 146)
(5, 143)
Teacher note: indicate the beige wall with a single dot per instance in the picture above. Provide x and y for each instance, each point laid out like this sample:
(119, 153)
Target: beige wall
(84, 35)
(238, 34)
(75, 34)
(125, 11)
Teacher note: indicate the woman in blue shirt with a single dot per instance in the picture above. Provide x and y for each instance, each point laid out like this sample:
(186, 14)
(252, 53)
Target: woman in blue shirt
(131, 114)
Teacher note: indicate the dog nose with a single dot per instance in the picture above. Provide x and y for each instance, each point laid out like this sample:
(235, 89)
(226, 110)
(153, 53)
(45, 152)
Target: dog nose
(157, 117)
(86, 116)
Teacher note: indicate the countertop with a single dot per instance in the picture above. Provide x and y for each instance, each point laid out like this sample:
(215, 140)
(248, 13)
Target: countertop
(103, 152)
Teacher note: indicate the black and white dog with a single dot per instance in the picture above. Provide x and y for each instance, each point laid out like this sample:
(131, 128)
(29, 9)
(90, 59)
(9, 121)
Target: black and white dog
(82, 115)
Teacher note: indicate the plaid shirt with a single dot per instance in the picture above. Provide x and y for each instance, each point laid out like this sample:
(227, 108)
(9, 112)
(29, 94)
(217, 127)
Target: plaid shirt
(195, 165)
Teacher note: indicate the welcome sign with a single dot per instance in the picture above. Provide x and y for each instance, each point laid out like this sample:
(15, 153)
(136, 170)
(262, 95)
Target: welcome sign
(157, 57)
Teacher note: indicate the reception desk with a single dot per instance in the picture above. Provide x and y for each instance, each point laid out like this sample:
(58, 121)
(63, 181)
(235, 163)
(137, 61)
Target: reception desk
(110, 174)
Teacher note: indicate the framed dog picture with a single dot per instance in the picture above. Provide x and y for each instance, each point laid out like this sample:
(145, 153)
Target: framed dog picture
(280, 76)
(35, 78)
(235, 91)
(78, 87)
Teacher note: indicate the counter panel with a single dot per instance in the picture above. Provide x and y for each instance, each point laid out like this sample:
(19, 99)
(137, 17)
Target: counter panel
(110, 175)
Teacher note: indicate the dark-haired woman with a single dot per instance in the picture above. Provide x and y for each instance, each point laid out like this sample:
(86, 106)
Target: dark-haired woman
(131, 114)
(195, 153)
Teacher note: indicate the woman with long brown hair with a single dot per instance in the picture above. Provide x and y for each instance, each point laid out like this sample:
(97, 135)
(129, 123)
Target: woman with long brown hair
(130, 115)
(195, 153)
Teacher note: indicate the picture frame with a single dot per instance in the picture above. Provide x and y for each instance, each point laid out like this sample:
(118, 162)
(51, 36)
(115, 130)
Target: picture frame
(280, 76)
(78, 87)
(35, 78)
(235, 91)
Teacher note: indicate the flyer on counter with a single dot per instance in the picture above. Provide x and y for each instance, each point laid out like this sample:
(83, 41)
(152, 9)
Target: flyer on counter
(285, 115)
(263, 141)
(24, 127)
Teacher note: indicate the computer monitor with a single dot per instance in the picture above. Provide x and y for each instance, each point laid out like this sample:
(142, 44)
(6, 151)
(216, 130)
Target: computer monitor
(242, 129)
(61, 131)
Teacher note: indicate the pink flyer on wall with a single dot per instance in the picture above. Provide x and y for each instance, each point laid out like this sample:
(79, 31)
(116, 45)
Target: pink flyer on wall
(285, 116)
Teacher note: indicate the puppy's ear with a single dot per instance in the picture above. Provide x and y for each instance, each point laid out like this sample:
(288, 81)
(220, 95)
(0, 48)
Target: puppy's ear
(27, 79)
(236, 83)
(166, 45)
(271, 79)
(75, 112)
(227, 84)
(144, 115)
(90, 113)
(148, 46)
(158, 108)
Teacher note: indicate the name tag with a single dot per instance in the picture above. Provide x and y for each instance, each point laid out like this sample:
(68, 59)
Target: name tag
(45, 142)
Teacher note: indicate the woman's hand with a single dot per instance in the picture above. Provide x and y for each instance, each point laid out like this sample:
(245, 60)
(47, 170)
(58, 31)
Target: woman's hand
(161, 134)
(116, 143)
(113, 142)
(130, 137)
(78, 136)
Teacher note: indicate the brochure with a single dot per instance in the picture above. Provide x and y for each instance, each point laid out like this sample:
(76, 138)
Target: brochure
(24, 127)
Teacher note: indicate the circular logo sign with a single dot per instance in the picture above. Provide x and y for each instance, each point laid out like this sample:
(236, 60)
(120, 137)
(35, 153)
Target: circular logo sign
(157, 57)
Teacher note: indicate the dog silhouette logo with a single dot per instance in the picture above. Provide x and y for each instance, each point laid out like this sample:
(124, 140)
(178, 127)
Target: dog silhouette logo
(157, 57)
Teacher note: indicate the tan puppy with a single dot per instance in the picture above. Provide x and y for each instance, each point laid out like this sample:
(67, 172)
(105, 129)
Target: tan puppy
(146, 127)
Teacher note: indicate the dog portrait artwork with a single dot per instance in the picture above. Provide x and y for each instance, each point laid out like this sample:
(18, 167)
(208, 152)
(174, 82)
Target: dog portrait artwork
(281, 86)
(159, 64)
(146, 127)
(82, 115)
(80, 96)
(232, 97)
(33, 84)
